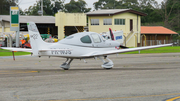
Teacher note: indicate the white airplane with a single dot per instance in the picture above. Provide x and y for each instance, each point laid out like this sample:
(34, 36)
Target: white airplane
(76, 46)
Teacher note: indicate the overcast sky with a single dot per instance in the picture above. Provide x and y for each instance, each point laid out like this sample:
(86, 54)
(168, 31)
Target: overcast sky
(26, 3)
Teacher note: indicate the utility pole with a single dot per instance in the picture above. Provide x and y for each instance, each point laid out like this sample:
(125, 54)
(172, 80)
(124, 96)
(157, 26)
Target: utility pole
(42, 7)
(18, 32)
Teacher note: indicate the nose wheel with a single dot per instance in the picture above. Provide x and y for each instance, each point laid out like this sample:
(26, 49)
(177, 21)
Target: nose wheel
(66, 64)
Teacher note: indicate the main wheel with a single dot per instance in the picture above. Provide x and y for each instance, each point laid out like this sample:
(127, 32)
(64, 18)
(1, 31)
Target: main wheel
(108, 68)
(66, 68)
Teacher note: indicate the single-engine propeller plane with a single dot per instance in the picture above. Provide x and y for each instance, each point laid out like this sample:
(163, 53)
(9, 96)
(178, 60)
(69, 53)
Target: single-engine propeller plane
(76, 46)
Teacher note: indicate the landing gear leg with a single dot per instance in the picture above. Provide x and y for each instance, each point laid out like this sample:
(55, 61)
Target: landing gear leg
(66, 64)
(106, 65)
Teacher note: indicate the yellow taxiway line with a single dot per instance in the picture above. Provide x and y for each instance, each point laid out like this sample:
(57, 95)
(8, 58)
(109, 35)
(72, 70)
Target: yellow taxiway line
(172, 99)
(16, 72)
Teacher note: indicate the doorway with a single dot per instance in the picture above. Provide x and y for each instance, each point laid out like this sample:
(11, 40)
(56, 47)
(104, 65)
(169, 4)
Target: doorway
(131, 24)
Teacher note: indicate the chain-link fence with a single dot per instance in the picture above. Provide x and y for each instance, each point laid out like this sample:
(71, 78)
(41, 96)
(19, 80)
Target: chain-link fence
(176, 43)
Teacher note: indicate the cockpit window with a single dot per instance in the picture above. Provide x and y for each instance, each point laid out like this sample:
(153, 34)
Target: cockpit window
(96, 38)
(86, 39)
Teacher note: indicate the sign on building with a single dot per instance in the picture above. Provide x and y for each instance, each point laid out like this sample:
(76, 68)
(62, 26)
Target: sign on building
(14, 22)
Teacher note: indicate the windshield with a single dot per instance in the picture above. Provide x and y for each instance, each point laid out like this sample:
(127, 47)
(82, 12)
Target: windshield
(86, 39)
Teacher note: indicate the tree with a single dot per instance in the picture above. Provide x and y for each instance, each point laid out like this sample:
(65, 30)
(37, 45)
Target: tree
(49, 8)
(105, 4)
(58, 5)
(33, 10)
(5, 6)
(170, 11)
(150, 7)
(116, 4)
(76, 7)
(166, 11)
(130, 4)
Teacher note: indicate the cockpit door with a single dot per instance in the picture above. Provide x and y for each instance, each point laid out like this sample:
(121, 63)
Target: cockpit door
(97, 41)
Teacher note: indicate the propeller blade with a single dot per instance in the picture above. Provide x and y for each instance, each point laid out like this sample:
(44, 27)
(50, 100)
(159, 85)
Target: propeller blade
(123, 47)
(111, 33)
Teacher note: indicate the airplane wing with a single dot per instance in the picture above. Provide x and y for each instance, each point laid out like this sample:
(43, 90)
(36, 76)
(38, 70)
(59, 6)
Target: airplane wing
(17, 49)
(91, 54)
(104, 53)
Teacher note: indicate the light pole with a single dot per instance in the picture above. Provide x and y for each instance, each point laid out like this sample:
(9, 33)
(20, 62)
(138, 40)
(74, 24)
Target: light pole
(40, 12)
(17, 31)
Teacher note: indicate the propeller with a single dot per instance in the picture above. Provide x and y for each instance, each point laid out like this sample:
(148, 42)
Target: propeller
(123, 47)
(111, 34)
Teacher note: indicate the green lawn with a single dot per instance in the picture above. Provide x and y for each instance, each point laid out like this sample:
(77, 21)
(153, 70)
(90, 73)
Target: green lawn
(9, 53)
(170, 49)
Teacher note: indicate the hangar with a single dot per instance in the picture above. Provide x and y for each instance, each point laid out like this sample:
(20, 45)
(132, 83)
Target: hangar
(45, 24)
(63, 24)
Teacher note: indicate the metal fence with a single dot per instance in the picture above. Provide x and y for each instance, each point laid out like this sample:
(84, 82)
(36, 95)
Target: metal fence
(158, 42)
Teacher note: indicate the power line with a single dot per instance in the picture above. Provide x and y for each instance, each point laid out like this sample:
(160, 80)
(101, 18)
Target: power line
(19, 2)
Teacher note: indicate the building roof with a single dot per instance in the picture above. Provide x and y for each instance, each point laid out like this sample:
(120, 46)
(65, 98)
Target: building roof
(156, 30)
(105, 12)
(36, 19)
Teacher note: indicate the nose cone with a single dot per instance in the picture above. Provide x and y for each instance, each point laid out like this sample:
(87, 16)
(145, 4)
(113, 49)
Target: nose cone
(115, 44)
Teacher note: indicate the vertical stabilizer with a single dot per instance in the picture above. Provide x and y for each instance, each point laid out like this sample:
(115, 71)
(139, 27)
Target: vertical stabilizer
(35, 38)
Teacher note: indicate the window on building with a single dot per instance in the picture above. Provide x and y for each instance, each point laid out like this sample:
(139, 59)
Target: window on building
(119, 21)
(86, 39)
(107, 21)
(94, 21)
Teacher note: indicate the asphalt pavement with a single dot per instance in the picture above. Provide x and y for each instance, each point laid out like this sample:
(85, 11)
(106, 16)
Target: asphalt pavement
(134, 77)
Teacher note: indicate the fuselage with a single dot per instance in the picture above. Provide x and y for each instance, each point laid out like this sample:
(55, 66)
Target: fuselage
(79, 45)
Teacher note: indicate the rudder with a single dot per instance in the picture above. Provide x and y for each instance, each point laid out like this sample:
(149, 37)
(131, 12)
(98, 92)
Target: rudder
(35, 38)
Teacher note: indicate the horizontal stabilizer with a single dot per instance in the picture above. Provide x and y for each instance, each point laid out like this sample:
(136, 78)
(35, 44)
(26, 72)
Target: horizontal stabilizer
(17, 49)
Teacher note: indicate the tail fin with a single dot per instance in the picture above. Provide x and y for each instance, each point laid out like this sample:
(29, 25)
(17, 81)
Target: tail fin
(35, 38)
